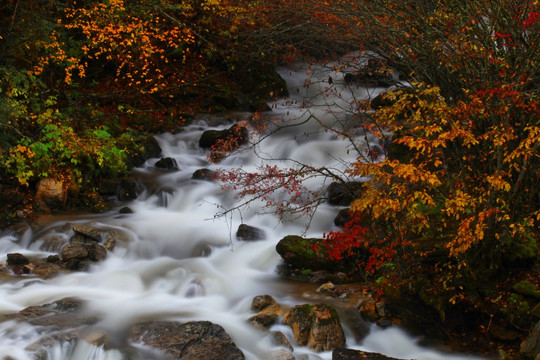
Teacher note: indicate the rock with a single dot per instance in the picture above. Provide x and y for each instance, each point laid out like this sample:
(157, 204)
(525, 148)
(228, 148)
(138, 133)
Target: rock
(503, 333)
(53, 243)
(128, 189)
(107, 187)
(348, 354)
(342, 217)
(166, 163)
(46, 270)
(204, 174)
(110, 237)
(343, 194)
(262, 301)
(326, 288)
(15, 259)
(279, 339)
(73, 251)
(380, 101)
(316, 326)
(374, 73)
(308, 357)
(268, 311)
(236, 135)
(96, 252)
(51, 193)
(150, 149)
(249, 233)
(527, 288)
(530, 348)
(59, 315)
(189, 341)
(87, 231)
(264, 319)
(125, 210)
(281, 354)
(305, 253)
(75, 265)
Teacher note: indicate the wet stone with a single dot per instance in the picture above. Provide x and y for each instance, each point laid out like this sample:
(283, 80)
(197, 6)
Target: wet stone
(125, 210)
(348, 354)
(203, 174)
(250, 233)
(46, 270)
(87, 231)
(279, 339)
(96, 252)
(53, 243)
(262, 301)
(16, 259)
(73, 251)
(189, 341)
(166, 163)
(281, 354)
(264, 320)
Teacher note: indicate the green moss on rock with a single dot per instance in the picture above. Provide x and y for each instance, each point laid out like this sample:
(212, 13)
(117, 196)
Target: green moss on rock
(527, 288)
(305, 253)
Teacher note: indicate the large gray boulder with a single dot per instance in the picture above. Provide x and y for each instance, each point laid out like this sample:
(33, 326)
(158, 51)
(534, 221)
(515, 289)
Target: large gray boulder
(190, 341)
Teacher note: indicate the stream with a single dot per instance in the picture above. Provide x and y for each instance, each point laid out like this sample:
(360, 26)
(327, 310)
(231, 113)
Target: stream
(178, 261)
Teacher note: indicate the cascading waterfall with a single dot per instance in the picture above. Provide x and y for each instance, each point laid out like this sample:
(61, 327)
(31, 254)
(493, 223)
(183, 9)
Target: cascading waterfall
(177, 262)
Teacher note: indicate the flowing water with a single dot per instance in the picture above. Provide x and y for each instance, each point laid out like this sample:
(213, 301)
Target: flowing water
(177, 261)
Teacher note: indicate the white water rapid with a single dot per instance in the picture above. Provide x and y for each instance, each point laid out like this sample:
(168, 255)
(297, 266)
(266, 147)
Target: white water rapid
(179, 263)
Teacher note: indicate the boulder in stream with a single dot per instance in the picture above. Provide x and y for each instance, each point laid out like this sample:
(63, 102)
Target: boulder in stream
(149, 149)
(236, 135)
(261, 302)
(343, 194)
(15, 259)
(166, 163)
(305, 253)
(189, 341)
(203, 174)
(316, 326)
(250, 233)
(349, 354)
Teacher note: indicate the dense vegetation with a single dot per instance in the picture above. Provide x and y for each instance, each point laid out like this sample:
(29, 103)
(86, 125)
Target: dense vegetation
(81, 82)
(453, 209)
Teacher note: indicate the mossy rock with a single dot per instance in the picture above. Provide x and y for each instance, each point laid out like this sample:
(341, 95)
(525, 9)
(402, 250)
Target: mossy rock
(522, 250)
(305, 253)
(527, 288)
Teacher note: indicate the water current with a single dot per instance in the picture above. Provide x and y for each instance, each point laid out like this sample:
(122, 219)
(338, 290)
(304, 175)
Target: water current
(177, 261)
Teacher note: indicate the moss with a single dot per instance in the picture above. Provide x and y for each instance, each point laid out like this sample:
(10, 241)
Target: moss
(522, 249)
(527, 288)
(305, 253)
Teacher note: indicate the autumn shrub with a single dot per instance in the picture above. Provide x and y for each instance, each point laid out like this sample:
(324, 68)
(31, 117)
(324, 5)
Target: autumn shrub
(78, 78)
(458, 210)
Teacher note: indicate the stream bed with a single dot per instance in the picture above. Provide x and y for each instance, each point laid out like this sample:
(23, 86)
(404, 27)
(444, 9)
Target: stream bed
(175, 260)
